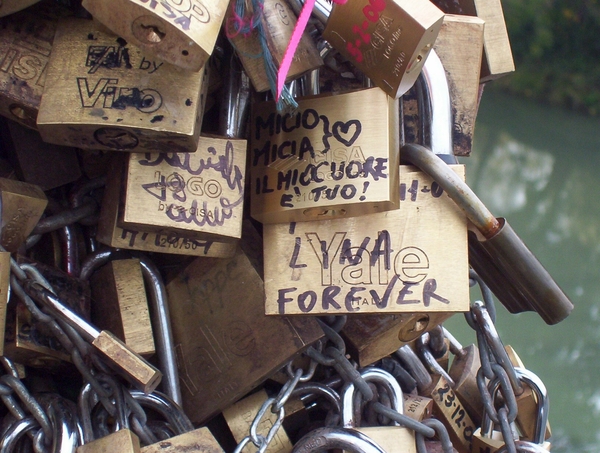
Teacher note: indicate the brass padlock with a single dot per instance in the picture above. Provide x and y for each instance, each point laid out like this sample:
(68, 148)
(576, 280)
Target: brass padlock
(277, 22)
(496, 253)
(120, 304)
(391, 438)
(4, 294)
(103, 93)
(373, 263)
(30, 157)
(418, 407)
(25, 44)
(200, 439)
(371, 337)
(449, 410)
(459, 46)
(388, 40)
(180, 32)
(233, 348)
(12, 6)
(21, 206)
(118, 356)
(497, 54)
(240, 416)
(463, 372)
(326, 160)
(162, 241)
(122, 441)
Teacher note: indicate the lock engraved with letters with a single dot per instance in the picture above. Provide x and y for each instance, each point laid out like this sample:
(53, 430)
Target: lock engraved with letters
(334, 157)
(102, 93)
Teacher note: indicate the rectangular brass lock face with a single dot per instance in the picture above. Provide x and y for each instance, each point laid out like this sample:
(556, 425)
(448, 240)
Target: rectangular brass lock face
(460, 46)
(388, 40)
(103, 93)
(25, 45)
(278, 21)
(334, 157)
(200, 440)
(372, 337)
(121, 306)
(161, 241)
(412, 259)
(497, 55)
(199, 195)
(240, 415)
(180, 32)
(22, 205)
(122, 441)
(234, 346)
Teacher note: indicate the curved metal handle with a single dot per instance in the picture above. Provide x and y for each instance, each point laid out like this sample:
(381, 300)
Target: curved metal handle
(324, 439)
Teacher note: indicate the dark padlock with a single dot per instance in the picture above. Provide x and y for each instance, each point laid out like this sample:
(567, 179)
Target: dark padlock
(501, 258)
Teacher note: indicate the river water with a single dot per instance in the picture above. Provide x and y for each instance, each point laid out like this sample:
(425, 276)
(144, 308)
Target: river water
(540, 168)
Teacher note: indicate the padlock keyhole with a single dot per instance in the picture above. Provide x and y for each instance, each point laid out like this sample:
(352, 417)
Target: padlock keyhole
(147, 32)
(152, 33)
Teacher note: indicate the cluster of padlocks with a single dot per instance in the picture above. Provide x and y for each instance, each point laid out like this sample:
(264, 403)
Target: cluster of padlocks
(234, 225)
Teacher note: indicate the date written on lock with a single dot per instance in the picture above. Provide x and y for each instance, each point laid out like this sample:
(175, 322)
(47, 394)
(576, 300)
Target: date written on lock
(406, 260)
(335, 156)
(104, 93)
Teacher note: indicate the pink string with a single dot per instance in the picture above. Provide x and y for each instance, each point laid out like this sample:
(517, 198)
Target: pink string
(295, 41)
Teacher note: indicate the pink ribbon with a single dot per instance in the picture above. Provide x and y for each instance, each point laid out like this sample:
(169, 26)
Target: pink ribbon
(295, 41)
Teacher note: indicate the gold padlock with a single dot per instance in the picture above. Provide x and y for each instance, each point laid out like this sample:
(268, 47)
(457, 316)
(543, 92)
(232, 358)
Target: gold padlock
(4, 280)
(233, 349)
(371, 337)
(497, 54)
(25, 44)
(327, 160)
(459, 46)
(30, 157)
(180, 32)
(162, 241)
(102, 93)
(198, 195)
(122, 441)
(277, 21)
(240, 416)
(418, 407)
(21, 206)
(200, 439)
(12, 6)
(373, 263)
(463, 371)
(388, 40)
(120, 304)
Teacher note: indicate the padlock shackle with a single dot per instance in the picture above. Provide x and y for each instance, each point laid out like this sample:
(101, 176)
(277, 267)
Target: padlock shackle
(437, 117)
(324, 439)
(454, 186)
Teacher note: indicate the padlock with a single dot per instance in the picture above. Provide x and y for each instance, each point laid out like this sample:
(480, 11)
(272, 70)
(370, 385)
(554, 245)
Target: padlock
(276, 23)
(21, 206)
(103, 93)
(120, 304)
(463, 372)
(326, 160)
(388, 40)
(372, 337)
(25, 43)
(182, 33)
(200, 439)
(118, 356)
(449, 410)
(390, 438)
(122, 441)
(49, 166)
(497, 55)
(240, 416)
(12, 6)
(4, 293)
(162, 241)
(459, 46)
(532, 417)
(418, 407)
(234, 348)
(502, 260)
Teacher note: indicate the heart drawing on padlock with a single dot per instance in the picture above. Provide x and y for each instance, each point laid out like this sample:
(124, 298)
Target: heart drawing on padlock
(340, 126)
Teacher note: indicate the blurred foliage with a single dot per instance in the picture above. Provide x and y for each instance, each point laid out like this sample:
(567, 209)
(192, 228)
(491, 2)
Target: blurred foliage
(556, 47)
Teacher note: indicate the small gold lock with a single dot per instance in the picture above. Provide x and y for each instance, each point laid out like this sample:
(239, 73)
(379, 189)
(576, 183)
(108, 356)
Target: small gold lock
(373, 263)
(162, 241)
(122, 441)
(388, 40)
(334, 157)
(200, 439)
(4, 280)
(103, 93)
(463, 372)
(235, 346)
(12, 6)
(278, 22)
(418, 407)
(180, 32)
(120, 304)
